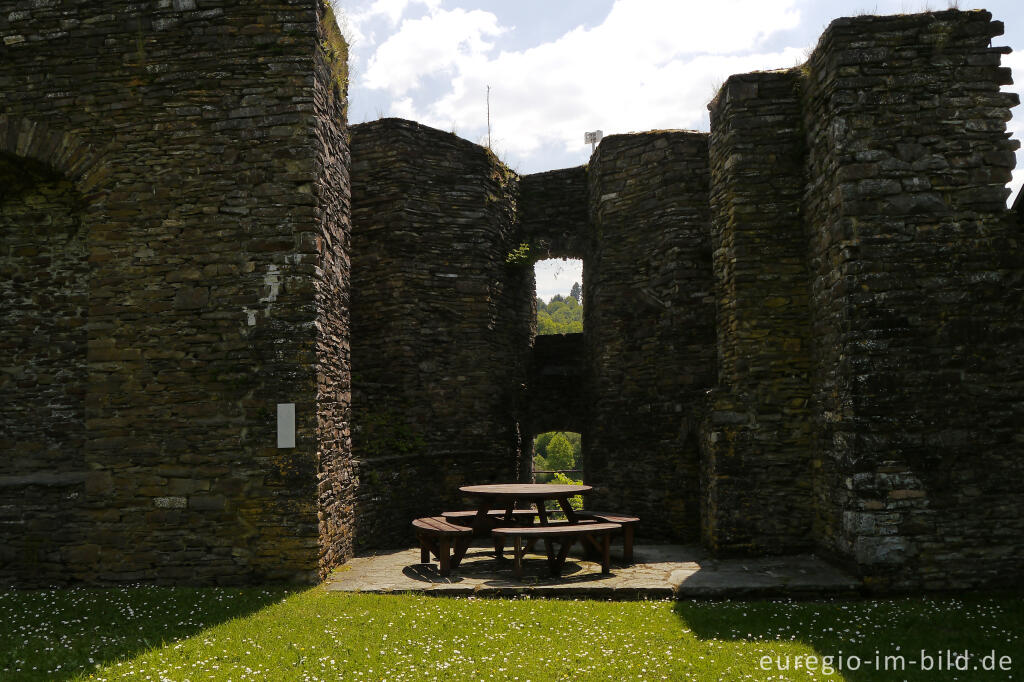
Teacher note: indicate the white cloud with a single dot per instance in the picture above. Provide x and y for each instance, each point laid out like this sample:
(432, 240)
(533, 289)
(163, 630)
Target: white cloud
(649, 64)
(441, 42)
(1015, 61)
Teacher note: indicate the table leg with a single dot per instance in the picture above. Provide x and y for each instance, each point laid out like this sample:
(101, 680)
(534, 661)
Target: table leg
(542, 513)
(481, 523)
(443, 556)
(566, 506)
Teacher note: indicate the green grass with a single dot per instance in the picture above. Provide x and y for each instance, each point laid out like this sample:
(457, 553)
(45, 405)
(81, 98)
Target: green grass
(279, 634)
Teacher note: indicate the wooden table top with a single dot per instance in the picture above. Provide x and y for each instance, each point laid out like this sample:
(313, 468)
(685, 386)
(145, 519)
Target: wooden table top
(526, 491)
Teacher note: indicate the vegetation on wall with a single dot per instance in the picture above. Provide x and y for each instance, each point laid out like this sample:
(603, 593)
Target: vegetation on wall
(335, 49)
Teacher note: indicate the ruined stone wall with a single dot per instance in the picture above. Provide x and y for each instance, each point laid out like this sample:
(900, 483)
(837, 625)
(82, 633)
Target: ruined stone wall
(757, 465)
(916, 284)
(648, 327)
(330, 273)
(441, 324)
(187, 128)
(556, 394)
(553, 214)
(43, 299)
(553, 222)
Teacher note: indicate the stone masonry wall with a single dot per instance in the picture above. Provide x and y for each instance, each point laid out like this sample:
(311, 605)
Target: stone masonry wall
(188, 130)
(916, 285)
(553, 222)
(756, 438)
(553, 215)
(330, 273)
(43, 298)
(648, 327)
(441, 324)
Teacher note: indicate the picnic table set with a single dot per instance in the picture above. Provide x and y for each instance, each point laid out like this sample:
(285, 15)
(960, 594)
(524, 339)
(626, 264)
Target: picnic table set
(501, 515)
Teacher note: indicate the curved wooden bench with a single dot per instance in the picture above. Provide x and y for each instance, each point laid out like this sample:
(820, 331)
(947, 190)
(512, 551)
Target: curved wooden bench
(438, 536)
(628, 523)
(565, 534)
(523, 517)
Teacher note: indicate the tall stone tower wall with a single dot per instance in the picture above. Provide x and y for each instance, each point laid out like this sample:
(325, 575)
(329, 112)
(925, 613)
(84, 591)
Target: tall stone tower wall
(648, 326)
(441, 324)
(756, 470)
(197, 156)
(916, 287)
(874, 412)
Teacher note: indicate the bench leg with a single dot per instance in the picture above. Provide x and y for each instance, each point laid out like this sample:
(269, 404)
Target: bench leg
(627, 543)
(461, 544)
(424, 550)
(556, 561)
(606, 542)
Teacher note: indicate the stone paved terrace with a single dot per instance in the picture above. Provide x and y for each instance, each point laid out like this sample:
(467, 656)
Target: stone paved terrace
(660, 571)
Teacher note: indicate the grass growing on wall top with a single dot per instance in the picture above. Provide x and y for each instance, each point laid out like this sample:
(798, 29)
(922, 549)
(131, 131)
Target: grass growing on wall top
(335, 49)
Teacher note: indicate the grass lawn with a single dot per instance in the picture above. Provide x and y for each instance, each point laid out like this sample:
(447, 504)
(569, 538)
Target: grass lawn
(281, 634)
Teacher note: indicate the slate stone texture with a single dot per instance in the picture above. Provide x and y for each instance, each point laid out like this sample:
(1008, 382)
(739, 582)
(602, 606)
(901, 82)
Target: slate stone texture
(649, 327)
(914, 269)
(186, 273)
(756, 468)
(916, 288)
(802, 331)
(441, 324)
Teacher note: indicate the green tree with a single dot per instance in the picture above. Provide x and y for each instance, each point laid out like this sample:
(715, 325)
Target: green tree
(560, 315)
(540, 443)
(576, 292)
(559, 453)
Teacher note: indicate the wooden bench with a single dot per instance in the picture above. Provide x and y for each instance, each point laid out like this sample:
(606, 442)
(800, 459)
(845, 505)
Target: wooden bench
(496, 517)
(564, 533)
(627, 522)
(447, 541)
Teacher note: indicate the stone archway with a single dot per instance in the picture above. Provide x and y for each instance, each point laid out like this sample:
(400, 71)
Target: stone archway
(44, 300)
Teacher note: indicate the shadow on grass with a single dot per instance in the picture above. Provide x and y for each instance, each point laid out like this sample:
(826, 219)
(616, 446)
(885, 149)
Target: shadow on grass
(58, 634)
(975, 637)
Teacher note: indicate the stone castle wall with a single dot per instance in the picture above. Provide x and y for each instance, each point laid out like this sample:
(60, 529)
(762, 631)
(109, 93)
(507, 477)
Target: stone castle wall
(801, 330)
(890, 440)
(184, 135)
(756, 469)
(441, 324)
(648, 327)
(916, 286)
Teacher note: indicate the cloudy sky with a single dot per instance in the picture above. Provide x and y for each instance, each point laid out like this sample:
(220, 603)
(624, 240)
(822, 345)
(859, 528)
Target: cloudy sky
(559, 68)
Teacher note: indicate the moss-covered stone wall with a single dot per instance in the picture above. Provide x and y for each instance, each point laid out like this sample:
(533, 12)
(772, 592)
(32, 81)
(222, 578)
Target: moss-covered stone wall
(648, 327)
(870, 406)
(756, 471)
(916, 297)
(210, 202)
(801, 331)
(441, 324)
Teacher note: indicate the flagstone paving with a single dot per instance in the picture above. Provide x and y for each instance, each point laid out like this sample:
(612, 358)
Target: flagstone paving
(659, 571)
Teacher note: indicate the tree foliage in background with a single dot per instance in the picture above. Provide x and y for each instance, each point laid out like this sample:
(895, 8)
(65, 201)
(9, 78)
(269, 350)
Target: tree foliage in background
(576, 292)
(555, 451)
(560, 315)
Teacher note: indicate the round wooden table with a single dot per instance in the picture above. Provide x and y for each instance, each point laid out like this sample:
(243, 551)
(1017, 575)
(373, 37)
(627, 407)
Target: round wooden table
(507, 495)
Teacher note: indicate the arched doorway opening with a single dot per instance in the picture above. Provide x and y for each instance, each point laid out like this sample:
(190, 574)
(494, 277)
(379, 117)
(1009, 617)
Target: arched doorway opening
(43, 374)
